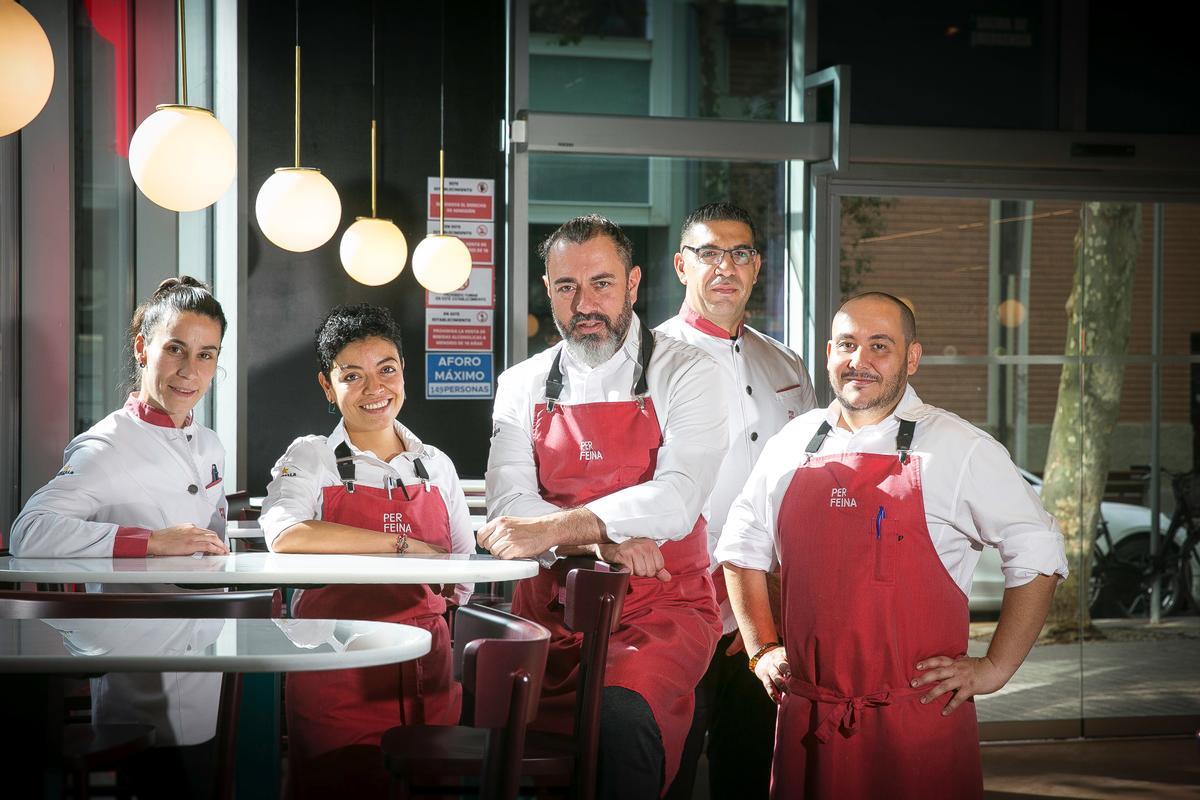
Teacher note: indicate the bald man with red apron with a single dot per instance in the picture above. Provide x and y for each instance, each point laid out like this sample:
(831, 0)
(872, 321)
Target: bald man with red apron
(859, 609)
(668, 629)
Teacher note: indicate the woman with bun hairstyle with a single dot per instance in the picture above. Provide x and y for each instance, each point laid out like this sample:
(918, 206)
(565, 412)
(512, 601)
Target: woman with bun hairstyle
(370, 486)
(147, 481)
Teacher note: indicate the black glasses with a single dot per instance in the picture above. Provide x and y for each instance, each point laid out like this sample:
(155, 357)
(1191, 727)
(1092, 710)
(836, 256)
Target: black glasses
(713, 256)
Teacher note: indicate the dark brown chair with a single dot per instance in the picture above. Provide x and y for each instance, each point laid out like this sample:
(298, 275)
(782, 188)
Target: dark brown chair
(592, 606)
(240, 508)
(500, 660)
(84, 753)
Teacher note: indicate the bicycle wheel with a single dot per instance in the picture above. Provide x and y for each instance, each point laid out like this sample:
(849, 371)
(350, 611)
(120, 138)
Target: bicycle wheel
(1121, 584)
(1189, 573)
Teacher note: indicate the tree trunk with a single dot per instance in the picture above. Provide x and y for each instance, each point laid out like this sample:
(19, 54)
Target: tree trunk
(1089, 394)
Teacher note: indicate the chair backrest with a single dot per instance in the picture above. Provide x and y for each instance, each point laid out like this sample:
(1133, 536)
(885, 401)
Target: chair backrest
(237, 605)
(239, 506)
(594, 600)
(489, 647)
(502, 660)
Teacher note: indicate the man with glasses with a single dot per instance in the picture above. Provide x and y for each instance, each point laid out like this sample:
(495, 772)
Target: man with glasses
(766, 385)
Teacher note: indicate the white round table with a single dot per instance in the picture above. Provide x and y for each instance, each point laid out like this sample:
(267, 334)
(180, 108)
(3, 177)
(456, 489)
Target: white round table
(268, 569)
(203, 645)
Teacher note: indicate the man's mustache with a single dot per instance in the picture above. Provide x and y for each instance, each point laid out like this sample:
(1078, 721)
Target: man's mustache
(855, 375)
(578, 318)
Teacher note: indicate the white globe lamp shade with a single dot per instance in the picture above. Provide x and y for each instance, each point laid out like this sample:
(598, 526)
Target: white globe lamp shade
(26, 67)
(442, 263)
(373, 251)
(182, 158)
(298, 209)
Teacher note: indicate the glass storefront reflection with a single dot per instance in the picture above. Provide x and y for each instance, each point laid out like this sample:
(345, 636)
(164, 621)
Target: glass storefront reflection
(1038, 320)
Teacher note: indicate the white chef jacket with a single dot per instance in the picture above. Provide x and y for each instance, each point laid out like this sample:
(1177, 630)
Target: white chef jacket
(131, 473)
(295, 493)
(766, 386)
(974, 496)
(128, 475)
(692, 417)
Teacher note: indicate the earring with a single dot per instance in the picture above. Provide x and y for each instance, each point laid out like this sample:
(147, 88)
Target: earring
(333, 409)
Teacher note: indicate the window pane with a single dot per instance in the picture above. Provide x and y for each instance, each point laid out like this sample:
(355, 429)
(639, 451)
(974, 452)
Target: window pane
(103, 207)
(652, 220)
(670, 58)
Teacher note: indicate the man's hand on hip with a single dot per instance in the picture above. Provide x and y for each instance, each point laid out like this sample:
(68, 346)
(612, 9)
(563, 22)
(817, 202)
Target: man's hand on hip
(965, 677)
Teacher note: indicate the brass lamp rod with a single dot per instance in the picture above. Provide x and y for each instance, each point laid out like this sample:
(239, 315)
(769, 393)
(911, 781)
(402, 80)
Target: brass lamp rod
(182, 53)
(297, 126)
(442, 126)
(373, 114)
(441, 192)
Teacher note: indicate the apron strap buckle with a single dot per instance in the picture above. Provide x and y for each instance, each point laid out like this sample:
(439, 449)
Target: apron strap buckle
(904, 439)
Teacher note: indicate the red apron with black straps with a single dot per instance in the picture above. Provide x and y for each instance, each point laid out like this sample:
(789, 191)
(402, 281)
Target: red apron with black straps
(865, 597)
(336, 719)
(668, 630)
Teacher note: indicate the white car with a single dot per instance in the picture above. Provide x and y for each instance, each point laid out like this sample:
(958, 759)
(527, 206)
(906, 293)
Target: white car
(1117, 586)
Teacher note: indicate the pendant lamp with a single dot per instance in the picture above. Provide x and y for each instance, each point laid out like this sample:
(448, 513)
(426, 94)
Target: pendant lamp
(442, 263)
(26, 67)
(297, 208)
(373, 250)
(181, 156)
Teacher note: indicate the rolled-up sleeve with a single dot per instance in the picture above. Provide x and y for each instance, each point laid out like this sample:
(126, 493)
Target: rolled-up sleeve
(294, 494)
(996, 501)
(511, 478)
(695, 438)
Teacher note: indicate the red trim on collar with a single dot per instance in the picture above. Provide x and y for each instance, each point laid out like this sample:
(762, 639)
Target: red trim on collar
(151, 415)
(693, 318)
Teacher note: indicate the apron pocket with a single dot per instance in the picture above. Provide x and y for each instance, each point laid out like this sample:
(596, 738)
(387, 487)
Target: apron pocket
(886, 542)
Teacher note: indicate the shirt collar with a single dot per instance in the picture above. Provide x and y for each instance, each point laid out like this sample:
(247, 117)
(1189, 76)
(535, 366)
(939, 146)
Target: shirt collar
(412, 445)
(910, 407)
(151, 415)
(693, 318)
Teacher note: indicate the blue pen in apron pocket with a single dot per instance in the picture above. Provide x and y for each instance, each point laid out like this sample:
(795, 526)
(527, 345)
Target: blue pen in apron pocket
(879, 523)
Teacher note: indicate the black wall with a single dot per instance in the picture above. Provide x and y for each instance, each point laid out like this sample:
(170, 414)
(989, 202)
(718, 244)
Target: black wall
(291, 292)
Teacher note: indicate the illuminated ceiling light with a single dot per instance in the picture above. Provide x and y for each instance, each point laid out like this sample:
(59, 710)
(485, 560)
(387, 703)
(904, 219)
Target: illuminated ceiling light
(442, 263)
(181, 156)
(26, 67)
(373, 250)
(298, 209)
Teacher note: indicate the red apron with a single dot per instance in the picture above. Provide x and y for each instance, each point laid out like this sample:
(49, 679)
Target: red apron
(668, 630)
(336, 719)
(865, 597)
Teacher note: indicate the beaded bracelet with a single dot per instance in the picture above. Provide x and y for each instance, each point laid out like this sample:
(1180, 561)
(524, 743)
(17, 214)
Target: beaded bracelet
(762, 651)
(401, 543)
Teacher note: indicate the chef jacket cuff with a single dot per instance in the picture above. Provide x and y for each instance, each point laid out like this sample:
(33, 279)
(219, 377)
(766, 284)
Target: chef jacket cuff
(131, 542)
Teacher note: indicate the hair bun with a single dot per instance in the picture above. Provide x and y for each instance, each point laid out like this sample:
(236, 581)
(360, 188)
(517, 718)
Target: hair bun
(170, 284)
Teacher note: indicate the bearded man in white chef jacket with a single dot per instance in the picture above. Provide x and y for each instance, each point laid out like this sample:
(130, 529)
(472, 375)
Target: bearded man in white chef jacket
(766, 386)
(609, 443)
